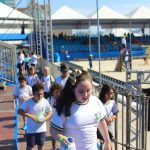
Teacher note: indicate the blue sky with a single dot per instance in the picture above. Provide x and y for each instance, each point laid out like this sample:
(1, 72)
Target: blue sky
(88, 6)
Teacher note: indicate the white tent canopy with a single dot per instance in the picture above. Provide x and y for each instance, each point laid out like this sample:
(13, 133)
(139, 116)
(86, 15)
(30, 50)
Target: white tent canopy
(6, 10)
(66, 13)
(139, 13)
(106, 13)
(68, 18)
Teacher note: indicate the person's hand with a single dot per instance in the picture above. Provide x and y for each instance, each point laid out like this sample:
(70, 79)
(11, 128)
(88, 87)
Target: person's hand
(109, 120)
(24, 98)
(107, 146)
(64, 141)
(39, 118)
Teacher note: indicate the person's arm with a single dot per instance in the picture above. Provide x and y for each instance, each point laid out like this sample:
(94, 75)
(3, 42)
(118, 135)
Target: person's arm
(38, 57)
(48, 116)
(110, 119)
(57, 135)
(104, 131)
(26, 97)
(23, 113)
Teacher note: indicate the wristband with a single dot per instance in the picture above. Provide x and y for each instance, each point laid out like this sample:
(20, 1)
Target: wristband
(61, 140)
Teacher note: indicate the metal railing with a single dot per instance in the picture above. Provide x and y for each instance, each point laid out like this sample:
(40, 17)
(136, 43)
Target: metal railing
(131, 124)
(7, 62)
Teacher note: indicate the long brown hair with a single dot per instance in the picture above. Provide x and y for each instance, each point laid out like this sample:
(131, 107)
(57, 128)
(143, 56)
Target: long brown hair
(64, 102)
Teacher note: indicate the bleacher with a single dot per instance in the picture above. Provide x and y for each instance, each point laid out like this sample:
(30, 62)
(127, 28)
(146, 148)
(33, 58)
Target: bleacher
(78, 46)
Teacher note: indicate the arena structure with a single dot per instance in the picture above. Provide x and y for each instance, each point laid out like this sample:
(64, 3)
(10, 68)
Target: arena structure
(51, 37)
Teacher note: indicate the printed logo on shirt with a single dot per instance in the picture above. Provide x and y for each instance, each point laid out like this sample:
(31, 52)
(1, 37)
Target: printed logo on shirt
(97, 117)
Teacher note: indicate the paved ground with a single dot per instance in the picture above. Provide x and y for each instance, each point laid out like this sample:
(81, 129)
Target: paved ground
(6, 119)
(8, 126)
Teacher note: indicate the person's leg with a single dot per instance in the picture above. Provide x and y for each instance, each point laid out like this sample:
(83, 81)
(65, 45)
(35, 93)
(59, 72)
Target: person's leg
(30, 141)
(40, 140)
(25, 125)
(40, 147)
(53, 143)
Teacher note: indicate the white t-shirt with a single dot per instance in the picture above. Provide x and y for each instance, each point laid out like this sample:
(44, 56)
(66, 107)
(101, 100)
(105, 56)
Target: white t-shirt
(23, 92)
(32, 79)
(51, 100)
(82, 124)
(47, 80)
(124, 40)
(20, 58)
(32, 107)
(34, 59)
(61, 81)
(111, 108)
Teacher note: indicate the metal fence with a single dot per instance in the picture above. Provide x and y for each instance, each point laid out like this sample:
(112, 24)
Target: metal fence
(131, 124)
(7, 63)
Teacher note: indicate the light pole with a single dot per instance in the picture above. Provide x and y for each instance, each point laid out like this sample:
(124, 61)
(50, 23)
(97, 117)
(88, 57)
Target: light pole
(98, 36)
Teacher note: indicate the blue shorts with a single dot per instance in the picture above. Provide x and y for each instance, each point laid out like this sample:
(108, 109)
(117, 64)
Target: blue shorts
(36, 139)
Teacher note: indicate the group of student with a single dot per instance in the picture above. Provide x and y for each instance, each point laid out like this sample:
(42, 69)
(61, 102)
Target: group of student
(67, 102)
(25, 60)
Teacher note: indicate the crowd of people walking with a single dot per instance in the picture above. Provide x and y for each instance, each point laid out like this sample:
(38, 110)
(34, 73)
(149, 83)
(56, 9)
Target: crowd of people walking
(68, 103)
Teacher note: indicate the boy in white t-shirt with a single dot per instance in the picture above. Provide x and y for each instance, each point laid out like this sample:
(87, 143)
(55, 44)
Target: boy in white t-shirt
(34, 59)
(22, 92)
(62, 79)
(48, 80)
(38, 111)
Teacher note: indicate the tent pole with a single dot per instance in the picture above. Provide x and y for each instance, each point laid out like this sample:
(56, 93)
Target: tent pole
(130, 33)
(89, 37)
(98, 35)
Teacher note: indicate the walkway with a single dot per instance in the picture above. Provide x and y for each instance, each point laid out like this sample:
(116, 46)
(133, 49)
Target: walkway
(7, 119)
(8, 130)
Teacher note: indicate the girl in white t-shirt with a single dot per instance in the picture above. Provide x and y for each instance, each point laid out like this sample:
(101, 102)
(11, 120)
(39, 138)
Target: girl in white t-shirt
(34, 59)
(55, 92)
(78, 115)
(111, 108)
(32, 78)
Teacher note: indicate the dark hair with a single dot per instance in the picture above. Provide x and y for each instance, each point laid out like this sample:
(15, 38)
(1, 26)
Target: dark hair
(64, 102)
(37, 87)
(64, 67)
(32, 68)
(54, 87)
(105, 89)
(22, 78)
(32, 53)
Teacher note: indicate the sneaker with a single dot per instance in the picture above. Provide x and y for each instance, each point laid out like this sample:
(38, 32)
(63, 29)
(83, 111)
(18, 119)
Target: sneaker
(24, 127)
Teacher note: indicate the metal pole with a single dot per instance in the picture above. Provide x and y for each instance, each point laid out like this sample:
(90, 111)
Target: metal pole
(98, 35)
(89, 37)
(51, 28)
(130, 34)
(39, 28)
(46, 41)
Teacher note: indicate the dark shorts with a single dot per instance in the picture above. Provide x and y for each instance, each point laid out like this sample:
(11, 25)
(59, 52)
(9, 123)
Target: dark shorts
(99, 136)
(36, 139)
